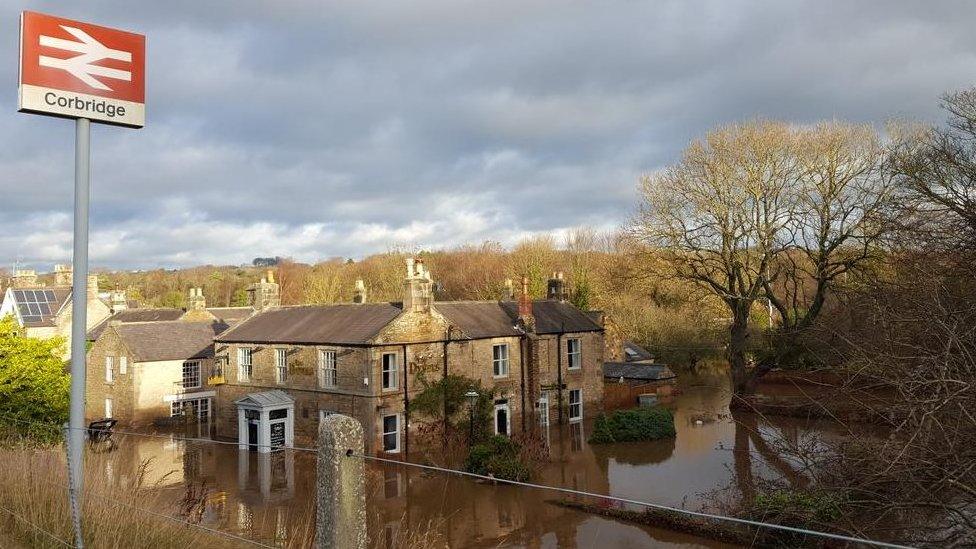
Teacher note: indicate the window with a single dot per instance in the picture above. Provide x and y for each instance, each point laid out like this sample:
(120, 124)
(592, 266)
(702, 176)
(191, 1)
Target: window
(191, 374)
(575, 354)
(324, 414)
(244, 357)
(327, 369)
(123, 365)
(389, 371)
(109, 369)
(499, 360)
(198, 408)
(391, 433)
(575, 404)
(108, 408)
(281, 366)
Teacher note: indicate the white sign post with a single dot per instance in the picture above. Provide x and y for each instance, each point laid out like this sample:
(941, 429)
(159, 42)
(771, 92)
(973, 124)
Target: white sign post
(86, 72)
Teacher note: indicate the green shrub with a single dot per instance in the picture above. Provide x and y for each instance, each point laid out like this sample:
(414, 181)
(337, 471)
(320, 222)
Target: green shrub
(798, 506)
(633, 425)
(498, 457)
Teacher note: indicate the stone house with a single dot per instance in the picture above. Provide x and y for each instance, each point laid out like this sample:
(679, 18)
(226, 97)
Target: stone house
(44, 311)
(145, 365)
(141, 372)
(542, 359)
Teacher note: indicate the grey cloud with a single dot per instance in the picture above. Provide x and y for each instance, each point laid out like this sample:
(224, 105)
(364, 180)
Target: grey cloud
(318, 129)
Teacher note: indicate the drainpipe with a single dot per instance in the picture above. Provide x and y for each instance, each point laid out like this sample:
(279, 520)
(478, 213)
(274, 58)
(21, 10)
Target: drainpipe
(559, 374)
(522, 373)
(406, 408)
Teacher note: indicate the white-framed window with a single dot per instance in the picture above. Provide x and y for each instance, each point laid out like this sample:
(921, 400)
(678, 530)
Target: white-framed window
(123, 365)
(191, 374)
(108, 408)
(574, 353)
(197, 407)
(391, 433)
(575, 404)
(327, 368)
(281, 365)
(390, 371)
(499, 360)
(244, 363)
(109, 369)
(324, 414)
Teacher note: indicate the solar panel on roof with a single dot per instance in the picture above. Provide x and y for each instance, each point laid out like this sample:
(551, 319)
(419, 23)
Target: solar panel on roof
(35, 305)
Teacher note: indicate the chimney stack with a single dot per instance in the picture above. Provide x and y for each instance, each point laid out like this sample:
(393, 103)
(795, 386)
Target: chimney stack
(525, 316)
(92, 287)
(24, 278)
(265, 294)
(62, 275)
(117, 301)
(418, 290)
(359, 296)
(556, 288)
(509, 290)
(196, 302)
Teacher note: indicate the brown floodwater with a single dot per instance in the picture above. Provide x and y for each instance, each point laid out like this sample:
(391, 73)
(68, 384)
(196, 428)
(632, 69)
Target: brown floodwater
(270, 497)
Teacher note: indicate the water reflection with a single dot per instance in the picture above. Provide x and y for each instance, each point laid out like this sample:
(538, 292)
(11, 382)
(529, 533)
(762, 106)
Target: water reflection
(270, 496)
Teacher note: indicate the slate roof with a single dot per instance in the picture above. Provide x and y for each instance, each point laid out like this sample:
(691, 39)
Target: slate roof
(231, 315)
(274, 397)
(349, 324)
(478, 319)
(169, 340)
(635, 353)
(135, 315)
(356, 324)
(553, 317)
(646, 371)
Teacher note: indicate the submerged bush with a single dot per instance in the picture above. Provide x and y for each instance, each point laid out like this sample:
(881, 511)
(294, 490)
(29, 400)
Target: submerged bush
(498, 457)
(633, 425)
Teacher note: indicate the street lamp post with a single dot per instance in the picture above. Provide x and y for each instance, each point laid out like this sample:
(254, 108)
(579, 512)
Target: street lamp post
(472, 400)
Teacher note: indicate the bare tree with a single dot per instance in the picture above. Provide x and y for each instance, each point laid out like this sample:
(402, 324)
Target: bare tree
(842, 200)
(722, 216)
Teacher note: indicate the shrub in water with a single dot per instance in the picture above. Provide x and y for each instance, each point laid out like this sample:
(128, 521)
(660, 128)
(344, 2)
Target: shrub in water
(498, 457)
(633, 425)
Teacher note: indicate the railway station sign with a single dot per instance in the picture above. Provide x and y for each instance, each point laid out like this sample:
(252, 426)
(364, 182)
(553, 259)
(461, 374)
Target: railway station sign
(79, 70)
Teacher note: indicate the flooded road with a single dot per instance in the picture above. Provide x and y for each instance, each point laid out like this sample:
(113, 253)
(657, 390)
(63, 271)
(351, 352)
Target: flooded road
(269, 497)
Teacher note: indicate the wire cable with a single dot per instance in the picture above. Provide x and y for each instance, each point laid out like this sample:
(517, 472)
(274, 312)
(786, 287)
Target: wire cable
(699, 514)
(36, 527)
(710, 516)
(181, 521)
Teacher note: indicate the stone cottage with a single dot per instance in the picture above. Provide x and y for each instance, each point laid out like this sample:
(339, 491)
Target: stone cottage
(141, 372)
(44, 311)
(542, 359)
(145, 365)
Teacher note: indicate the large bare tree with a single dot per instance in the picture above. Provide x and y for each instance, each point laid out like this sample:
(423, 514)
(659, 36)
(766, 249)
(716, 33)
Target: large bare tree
(721, 217)
(767, 211)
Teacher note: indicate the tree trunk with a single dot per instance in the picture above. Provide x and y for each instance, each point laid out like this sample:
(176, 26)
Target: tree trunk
(738, 342)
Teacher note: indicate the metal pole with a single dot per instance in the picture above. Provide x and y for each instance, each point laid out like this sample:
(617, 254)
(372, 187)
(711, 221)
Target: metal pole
(79, 310)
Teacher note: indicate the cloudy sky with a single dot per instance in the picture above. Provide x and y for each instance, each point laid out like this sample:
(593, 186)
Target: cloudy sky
(315, 129)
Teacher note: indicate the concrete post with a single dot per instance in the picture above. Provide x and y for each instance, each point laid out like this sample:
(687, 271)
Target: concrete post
(341, 514)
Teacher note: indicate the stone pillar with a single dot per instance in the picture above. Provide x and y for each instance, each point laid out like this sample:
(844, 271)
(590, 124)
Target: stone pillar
(241, 430)
(264, 433)
(341, 513)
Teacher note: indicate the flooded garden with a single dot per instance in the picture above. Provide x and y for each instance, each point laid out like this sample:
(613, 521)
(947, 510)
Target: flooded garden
(711, 462)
